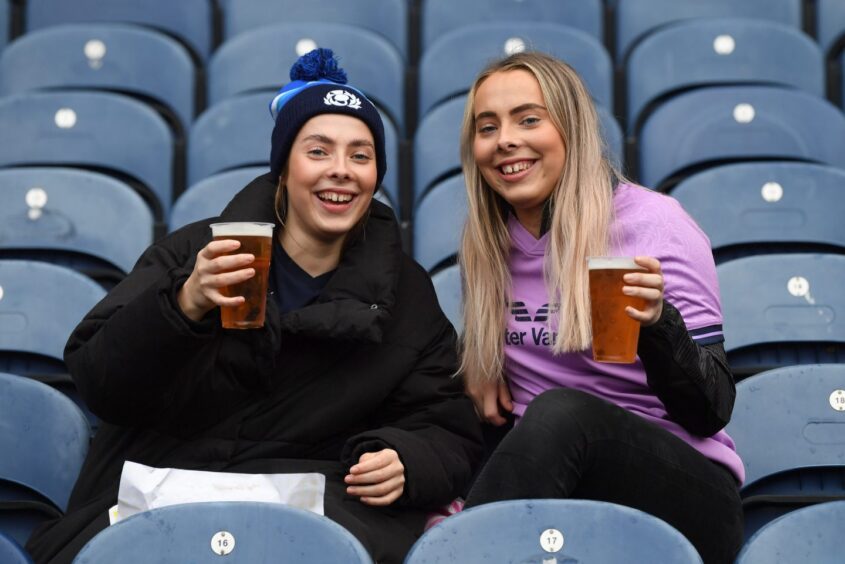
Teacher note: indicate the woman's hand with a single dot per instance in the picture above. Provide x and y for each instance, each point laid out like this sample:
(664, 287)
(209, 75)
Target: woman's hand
(647, 285)
(378, 478)
(490, 399)
(214, 269)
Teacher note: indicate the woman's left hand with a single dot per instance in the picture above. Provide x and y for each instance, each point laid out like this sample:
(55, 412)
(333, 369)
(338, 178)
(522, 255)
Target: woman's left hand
(378, 478)
(647, 285)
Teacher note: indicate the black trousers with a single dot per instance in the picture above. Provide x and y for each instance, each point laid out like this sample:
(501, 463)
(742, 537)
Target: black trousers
(570, 444)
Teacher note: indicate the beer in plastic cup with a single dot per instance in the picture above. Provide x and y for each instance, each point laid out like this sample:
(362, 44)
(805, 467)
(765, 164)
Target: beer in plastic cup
(615, 333)
(256, 239)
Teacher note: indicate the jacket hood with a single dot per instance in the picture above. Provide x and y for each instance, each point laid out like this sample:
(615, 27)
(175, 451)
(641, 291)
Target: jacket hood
(356, 303)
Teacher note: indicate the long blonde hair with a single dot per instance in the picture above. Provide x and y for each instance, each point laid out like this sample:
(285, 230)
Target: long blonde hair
(580, 211)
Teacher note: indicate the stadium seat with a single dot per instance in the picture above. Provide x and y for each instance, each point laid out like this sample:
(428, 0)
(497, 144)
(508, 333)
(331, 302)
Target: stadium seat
(388, 18)
(189, 21)
(208, 197)
(783, 310)
(447, 285)
(437, 143)
(438, 222)
(448, 66)
(812, 534)
(243, 532)
(722, 51)
(830, 25)
(438, 17)
(636, 18)
(84, 220)
(5, 21)
(11, 552)
(714, 125)
(552, 530)
(40, 305)
(98, 130)
(123, 58)
(261, 61)
(787, 426)
(765, 207)
(44, 439)
(236, 133)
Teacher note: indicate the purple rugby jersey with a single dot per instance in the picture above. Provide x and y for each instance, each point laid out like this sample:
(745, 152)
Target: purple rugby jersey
(645, 223)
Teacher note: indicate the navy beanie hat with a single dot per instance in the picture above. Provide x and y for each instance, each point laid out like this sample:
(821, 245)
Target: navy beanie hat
(318, 86)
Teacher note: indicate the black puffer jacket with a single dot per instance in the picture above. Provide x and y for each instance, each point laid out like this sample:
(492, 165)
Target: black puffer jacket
(368, 366)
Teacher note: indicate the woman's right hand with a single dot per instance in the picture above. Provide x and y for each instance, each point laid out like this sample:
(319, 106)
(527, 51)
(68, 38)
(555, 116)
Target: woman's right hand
(214, 269)
(490, 400)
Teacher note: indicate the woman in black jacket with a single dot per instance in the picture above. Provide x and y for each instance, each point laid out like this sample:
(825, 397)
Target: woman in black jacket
(351, 375)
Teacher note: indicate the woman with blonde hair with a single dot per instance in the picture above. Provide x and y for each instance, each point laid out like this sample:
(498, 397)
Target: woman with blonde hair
(543, 196)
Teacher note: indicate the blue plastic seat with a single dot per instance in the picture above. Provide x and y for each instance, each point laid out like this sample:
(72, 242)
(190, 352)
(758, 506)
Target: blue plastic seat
(5, 12)
(11, 552)
(787, 426)
(552, 530)
(190, 21)
(117, 57)
(783, 310)
(448, 66)
(44, 440)
(830, 25)
(764, 207)
(388, 18)
(236, 133)
(812, 534)
(260, 61)
(438, 222)
(636, 18)
(714, 125)
(447, 285)
(709, 52)
(84, 220)
(91, 130)
(437, 143)
(438, 17)
(204, 532)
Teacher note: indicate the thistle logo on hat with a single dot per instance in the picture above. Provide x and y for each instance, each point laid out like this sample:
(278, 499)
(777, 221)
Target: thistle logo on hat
(318, 86)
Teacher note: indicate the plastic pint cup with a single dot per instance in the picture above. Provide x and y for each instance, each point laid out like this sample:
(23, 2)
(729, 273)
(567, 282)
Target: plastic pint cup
(256, 239)
(615, 333)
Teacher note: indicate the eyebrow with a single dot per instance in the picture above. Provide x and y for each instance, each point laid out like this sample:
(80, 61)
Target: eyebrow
(329, 141)
(517, 110)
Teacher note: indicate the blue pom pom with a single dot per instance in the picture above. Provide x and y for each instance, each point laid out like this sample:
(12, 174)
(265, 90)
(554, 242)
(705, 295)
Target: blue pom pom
(317, 64)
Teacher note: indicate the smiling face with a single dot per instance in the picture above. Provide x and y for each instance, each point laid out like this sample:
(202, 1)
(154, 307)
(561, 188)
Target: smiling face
(331, 178)
(518, 150)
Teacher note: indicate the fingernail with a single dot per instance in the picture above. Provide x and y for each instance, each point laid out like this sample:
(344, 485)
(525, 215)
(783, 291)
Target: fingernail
(627, 291)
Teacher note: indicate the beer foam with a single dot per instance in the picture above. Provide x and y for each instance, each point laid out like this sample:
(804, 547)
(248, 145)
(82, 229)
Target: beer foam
(614, 263)
(242, 228)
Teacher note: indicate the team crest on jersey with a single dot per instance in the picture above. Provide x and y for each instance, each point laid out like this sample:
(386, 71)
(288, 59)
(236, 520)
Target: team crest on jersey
(343, 98)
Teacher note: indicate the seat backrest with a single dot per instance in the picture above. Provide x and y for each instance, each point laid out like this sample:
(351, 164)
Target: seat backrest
(442, 16)
(235, 133)
(812, 534)
(449, 65)
(261, 60)
(44, 439)
(91, 129)
(40, 304)
(447, 286)
(746, 208)
(438, 222)
(636, 18)
(245, 532)
(11, 552)
(5, 19)
(190, 21)
(790, 299)
(209, 196)
(60, 211)
(708, 52)
(830, 25)
(117, 57)
(718, 124)
(388, 18)
(559, 530)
